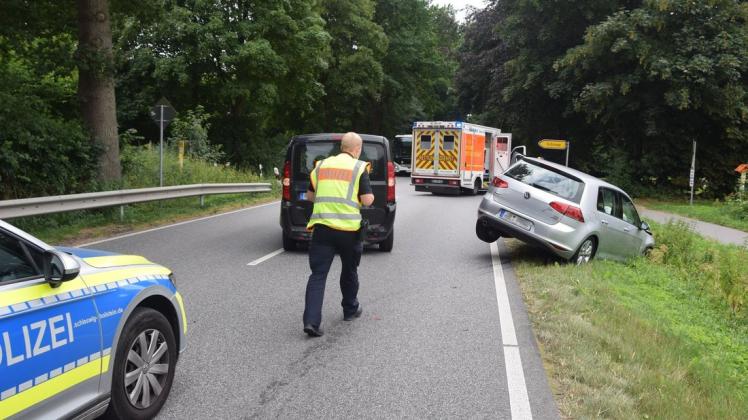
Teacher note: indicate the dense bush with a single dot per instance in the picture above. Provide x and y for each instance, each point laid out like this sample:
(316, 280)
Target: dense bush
(721, 271)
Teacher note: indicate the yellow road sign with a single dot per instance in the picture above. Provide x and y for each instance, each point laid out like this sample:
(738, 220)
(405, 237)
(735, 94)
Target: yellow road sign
(553, 144)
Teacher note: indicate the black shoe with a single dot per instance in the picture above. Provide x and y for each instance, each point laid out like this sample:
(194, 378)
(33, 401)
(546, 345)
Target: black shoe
(354, 315)
(313, 331)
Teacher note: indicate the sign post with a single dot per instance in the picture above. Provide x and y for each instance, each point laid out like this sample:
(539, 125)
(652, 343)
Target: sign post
(549, 144)
(692, 174)
(162, 113)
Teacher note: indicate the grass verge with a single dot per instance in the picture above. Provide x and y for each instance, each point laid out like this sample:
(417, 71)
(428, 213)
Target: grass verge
(140, 167)
(664, 337)
(730, 214)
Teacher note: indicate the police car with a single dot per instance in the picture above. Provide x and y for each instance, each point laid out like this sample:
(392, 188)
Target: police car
(84, 333)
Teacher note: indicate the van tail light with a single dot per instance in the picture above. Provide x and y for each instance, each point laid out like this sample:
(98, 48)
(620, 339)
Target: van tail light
(568, 210)
(287, 181)
(499, 183)
(391, 181)
(418, 180)
(454, 182)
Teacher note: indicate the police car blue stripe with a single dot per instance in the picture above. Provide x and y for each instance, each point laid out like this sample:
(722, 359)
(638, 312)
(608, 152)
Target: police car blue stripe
(4, 395)
(53, 299)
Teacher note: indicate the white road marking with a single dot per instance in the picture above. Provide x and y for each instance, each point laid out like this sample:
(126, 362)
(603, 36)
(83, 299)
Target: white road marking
(175, 224)
(519, 403)
(266, 257)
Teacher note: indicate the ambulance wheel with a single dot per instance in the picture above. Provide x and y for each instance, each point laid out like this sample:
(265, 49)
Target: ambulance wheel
(143, 366)
(288, 244)
(387, 244)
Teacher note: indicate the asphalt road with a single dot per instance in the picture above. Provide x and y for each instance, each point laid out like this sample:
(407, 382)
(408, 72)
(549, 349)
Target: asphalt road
(429, 344)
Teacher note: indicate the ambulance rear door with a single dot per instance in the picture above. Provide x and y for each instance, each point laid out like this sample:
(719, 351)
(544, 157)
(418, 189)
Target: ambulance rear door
(448, 153)
(500, 154)
(424, 151)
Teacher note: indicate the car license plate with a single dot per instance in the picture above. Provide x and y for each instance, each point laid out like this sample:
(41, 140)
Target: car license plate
(437, 181)
(515, 220)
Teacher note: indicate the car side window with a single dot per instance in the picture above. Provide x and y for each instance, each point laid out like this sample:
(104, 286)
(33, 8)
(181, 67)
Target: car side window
(17, 261)
(606, 202)
(629, 211)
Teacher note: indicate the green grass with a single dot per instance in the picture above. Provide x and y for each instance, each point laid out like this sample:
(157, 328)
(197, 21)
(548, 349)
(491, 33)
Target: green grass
(664, 337)
(140, 170)
(730, 214)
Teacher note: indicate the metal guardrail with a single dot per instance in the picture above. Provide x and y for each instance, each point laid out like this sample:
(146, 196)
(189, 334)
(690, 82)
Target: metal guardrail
(61, 203)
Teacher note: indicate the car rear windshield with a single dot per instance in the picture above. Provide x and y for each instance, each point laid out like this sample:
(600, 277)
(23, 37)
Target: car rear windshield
(547, 179)
(306, 154)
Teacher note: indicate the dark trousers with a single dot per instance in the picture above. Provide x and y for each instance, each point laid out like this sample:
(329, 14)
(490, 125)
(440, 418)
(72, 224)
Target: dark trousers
(327, 242)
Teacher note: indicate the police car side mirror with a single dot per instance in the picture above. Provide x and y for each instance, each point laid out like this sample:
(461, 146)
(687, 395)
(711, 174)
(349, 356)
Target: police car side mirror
(59, 267)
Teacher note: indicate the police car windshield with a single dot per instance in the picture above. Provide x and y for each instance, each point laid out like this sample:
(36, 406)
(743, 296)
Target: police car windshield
(306, 154)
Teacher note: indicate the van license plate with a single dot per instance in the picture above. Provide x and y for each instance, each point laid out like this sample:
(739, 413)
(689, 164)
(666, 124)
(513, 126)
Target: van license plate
(437, 181)
(515, 220)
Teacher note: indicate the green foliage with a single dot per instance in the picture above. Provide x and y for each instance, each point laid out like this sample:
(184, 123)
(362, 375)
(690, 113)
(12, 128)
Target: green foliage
(43, 147)
(244, 76)
(638, 78)
(192, 127)
(654, 338)
(140, 170)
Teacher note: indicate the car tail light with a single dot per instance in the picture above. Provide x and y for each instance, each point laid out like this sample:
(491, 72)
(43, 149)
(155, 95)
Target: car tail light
(287, 181)
(568, 210)
(499, 183)
(391, 182)
(418, 180)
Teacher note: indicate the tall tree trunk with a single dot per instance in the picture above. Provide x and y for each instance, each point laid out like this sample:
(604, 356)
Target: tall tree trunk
(96, 84)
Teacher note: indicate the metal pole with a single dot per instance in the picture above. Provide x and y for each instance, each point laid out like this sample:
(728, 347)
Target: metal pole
(568, 146)
(161, 151)
(692, 175)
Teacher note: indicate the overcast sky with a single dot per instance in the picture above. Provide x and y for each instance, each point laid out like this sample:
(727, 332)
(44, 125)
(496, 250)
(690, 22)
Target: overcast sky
(459, 5)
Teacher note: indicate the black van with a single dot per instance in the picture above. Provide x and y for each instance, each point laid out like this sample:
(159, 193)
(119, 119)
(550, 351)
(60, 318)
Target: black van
(296, 210)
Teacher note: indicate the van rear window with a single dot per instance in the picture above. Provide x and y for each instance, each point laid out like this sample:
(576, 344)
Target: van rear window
(547, 179)
(306, 154)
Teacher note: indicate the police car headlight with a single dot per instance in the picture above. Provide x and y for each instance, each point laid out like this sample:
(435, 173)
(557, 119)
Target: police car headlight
(173, 279)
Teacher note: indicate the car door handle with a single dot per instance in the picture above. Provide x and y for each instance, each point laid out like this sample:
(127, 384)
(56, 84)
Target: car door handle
(605, 222)
(626, 229)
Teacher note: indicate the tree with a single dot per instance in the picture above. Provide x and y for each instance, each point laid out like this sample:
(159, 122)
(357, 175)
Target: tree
(654, 78)
(96, 84)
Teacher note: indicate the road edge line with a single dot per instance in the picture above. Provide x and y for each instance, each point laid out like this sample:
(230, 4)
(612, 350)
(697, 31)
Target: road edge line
(519, 402)
(127, 235)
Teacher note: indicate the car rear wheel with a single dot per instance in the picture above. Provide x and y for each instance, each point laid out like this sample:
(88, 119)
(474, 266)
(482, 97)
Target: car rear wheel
(143, 366)
(288, 244)
(387, 244)
(485, 233)
(586, 252)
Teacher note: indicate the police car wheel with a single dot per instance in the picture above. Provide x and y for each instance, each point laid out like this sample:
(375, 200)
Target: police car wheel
(143, 366)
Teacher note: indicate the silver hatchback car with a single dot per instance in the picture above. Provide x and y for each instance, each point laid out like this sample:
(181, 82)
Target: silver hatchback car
(574, 215)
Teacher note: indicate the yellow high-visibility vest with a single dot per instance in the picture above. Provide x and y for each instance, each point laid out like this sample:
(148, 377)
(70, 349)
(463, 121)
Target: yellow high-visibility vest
(336, 204)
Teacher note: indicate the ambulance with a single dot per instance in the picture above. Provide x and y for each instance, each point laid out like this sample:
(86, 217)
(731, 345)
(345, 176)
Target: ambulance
(450, 157)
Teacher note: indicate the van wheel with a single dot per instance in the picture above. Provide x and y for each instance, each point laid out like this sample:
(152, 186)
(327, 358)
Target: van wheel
(586, 252)
(144, 365)
(387, 244)
(288, 244)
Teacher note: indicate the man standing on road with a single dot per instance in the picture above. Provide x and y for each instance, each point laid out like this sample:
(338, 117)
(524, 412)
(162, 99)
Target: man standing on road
(339, 186)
